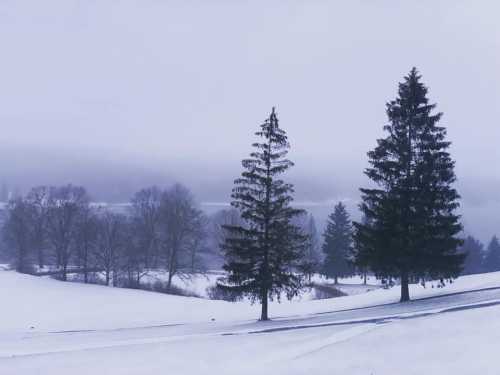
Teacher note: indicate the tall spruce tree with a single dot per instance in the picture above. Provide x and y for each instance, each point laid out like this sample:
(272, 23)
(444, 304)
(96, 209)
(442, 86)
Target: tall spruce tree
(412, 226)
(492, 258)
(337, 245)
(263, 256)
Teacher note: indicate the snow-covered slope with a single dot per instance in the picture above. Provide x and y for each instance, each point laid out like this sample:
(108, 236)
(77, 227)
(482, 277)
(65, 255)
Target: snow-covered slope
(81, 329)
(41, 304)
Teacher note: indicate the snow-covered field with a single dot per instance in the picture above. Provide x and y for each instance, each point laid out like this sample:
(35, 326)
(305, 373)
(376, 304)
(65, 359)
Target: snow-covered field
(51, 327)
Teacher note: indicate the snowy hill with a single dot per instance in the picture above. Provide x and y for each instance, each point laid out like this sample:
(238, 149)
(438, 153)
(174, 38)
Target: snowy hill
(53, 327)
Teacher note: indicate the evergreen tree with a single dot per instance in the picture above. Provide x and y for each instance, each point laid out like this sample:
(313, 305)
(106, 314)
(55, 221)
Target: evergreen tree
(473, 249)
(263, 255)
(361, 264)
(337, 245)
(4, 193)
(412, 222)
(492, 258)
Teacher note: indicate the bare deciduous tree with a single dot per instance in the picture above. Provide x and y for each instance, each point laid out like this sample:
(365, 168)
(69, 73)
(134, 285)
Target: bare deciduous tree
(146, 216)
(133, 262)
(110, 241)
(165, 227)
(195, 242)
(38, 198)
(65, 204)
(181, 221)
(18, 232)
(86, 239)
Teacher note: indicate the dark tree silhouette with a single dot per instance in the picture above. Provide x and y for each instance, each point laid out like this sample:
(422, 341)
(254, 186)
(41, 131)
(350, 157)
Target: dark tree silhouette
(18, 233)
(473, 249)
(412, 230)
(337, 245)
(64, 208)
(492, 258)
(264, 254)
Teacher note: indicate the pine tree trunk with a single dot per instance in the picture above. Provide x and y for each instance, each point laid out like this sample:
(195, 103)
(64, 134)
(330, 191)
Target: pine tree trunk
(405, 292)
(364, 278)
(264, 316)
(336, 280)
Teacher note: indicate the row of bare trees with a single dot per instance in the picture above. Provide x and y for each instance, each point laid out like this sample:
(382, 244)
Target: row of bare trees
(59, 229)
(169, 230)
(46, 218)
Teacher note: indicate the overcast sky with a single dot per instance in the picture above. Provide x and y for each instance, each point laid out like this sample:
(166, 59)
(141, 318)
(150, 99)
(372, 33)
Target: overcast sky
(121, 94)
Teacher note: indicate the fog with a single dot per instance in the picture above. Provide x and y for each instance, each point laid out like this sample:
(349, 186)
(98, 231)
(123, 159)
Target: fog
(121, 95)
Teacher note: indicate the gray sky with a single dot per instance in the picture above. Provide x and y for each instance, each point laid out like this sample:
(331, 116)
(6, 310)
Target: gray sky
(121, 94)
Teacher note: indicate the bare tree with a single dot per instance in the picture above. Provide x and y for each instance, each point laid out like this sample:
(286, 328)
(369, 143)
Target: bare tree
(110, 241)
(181, 222)
(146, 216)
(38, 198)
(133, 262)
(86, 239)
(65, 206)
(195, 242)
(18, 232)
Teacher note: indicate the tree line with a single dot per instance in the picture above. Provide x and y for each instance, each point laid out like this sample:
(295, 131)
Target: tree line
(480, 259)
(58, 230)
(59, 227)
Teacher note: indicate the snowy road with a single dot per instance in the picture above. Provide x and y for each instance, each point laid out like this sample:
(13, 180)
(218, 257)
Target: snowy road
(288, 344)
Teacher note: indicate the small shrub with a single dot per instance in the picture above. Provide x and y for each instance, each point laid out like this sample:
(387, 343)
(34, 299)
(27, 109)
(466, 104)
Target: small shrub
(217, 293)
(161, 287)
(322, 291)
(125, 282)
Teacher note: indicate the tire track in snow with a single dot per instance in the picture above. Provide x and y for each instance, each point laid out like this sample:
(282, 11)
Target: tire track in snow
(115, 329)
(339, 337)
(361, 326)
(375, 320)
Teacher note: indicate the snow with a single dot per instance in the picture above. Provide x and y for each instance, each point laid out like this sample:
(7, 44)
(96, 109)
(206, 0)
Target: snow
(81, 329)
(75, 306)
(196, 283)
